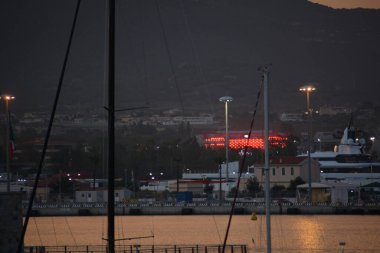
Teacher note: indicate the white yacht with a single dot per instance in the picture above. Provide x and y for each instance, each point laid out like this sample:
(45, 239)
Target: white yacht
(348, 162)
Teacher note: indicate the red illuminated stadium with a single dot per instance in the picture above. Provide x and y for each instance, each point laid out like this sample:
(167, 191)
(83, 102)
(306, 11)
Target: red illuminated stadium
(238, 140)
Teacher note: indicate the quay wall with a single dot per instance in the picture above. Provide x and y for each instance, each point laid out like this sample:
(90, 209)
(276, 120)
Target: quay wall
(196, 209)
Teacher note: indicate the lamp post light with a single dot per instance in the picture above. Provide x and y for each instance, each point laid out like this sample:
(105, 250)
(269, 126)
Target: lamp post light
(308, 89)
(226, 100)
(7, 98)
(320, 144)
(372, 139)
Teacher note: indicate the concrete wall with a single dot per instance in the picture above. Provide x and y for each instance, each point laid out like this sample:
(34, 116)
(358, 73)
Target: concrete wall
(10, 221)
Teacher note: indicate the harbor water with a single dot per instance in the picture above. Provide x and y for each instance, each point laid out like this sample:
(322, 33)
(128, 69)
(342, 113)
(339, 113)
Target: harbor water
(290, 233)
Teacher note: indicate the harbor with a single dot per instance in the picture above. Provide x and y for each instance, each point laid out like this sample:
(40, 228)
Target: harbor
(200, 208)
(156, 126)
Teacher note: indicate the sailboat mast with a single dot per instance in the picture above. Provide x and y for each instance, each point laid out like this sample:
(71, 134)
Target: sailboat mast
(266, 149)
(111, 126)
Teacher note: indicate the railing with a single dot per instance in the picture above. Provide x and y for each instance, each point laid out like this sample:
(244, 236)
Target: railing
(194, 204)
(138, 249)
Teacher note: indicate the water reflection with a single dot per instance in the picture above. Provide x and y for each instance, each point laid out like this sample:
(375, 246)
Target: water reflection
(309, 233)
(297, 233)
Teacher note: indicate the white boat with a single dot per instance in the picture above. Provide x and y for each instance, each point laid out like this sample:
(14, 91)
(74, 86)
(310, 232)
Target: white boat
(348, 162)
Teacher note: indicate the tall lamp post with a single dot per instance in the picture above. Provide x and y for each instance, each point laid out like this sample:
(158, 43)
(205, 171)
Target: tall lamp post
(308, 89)
(7, 98)
(226, 100)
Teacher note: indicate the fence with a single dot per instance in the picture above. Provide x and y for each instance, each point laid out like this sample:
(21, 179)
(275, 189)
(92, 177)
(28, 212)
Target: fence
(138, 249)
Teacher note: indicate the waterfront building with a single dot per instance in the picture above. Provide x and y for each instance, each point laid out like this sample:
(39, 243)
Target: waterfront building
(101, 195)
(197, 181)
(238, 139)
(327, 192)
(284, 169)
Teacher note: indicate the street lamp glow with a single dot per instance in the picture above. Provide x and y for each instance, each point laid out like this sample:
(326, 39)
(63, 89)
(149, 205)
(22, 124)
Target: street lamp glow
(7, 97)
(307, 88)
(226, 99)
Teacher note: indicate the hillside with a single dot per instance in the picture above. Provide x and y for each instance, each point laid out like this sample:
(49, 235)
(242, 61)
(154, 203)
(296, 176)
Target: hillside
(190, 53)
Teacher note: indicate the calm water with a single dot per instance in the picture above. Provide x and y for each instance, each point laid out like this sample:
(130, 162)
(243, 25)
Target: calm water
(297, 233)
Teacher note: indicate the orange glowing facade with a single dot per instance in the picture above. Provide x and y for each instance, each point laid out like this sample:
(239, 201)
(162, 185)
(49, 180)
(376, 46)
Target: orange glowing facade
(238, 140)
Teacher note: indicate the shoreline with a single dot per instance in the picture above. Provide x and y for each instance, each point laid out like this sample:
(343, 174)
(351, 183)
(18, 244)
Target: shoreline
(93, 209)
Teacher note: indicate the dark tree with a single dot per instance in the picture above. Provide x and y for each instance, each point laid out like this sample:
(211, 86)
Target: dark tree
(253, 186)
(293, 184)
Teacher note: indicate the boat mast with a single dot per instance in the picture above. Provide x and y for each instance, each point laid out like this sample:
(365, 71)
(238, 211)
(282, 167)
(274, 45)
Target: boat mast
(111, 126)
(265, 73)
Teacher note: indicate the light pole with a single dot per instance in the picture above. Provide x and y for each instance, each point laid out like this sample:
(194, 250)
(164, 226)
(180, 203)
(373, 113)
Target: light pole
(226, 100)
(7, 98)
(308, 89)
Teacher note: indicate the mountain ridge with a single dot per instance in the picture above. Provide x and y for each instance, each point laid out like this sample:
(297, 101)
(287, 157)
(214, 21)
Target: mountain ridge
(215, 48)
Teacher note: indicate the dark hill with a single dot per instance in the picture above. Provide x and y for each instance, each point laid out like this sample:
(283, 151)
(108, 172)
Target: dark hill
(215, 47)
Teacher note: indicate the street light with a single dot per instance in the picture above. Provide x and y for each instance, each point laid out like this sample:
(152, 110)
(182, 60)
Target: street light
(7, 98)
(308, 89)
(226, 100)
(320, 144)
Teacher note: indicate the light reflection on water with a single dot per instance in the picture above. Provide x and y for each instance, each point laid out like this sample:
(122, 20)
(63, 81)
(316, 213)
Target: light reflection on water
(296, 233)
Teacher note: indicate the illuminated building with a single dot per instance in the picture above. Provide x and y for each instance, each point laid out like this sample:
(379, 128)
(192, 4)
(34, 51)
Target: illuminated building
(238, 140)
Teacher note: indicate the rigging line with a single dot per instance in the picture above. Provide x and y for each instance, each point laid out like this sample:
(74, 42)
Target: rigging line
(260, 230)
(38, 232)
(169, 57)
(104, 97)
(55, 234)
(196, 56)
(241, 167)
(130, 238)
(217, 229)
(71, 233)
(250, 231)
(103, 221)
(280, 232)
(63, 70)
(105, 82)
(152, 231)
(117, 221)
(143, 49)
(121, 224)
